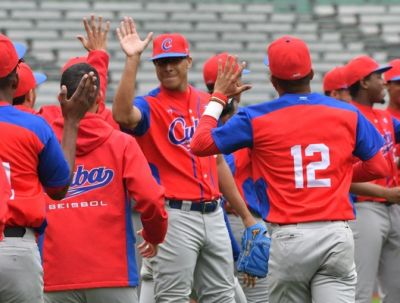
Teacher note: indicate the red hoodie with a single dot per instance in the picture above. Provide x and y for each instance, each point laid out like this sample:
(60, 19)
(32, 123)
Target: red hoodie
(89, 240)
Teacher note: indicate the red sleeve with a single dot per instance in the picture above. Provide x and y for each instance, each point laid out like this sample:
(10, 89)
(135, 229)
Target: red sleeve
(5, 193)
(99, 60)
(202, 143)
(374, 168)
(149, 196)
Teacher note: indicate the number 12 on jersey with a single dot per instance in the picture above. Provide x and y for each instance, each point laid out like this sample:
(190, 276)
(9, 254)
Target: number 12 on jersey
(310, 150)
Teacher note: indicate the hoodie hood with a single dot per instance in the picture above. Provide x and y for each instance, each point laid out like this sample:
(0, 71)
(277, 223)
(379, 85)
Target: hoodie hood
(93, 131)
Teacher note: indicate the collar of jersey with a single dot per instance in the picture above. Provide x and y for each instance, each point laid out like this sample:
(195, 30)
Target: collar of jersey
(4, 103)
(176, 94)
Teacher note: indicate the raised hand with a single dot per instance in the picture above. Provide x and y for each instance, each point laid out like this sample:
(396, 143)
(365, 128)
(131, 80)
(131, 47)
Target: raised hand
(228, 79)
(96, 36)
(74, 108)
(129, 39)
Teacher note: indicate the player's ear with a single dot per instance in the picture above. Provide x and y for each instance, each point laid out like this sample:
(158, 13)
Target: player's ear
(189, 61)
(364, 83)
(99, 97)
(311, 74)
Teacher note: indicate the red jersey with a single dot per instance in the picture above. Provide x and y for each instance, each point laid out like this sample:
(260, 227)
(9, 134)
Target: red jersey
(302, 169)
(99, 60)
(396, 114)
(34, 158)
(240, 164)
(387, 127)
(5, 194)
(169, 120)
(89, 241)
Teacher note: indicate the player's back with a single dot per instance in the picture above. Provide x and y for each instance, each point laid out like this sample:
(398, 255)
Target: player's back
(303, 145)
(31, 155)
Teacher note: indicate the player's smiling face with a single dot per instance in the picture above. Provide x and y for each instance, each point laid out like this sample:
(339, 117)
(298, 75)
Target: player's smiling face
(173, 72)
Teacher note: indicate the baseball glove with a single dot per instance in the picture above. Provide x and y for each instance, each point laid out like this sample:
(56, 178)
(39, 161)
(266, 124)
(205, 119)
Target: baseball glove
(254, 255)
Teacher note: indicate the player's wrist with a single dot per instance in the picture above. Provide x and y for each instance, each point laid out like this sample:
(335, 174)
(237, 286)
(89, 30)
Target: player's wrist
(219, 97)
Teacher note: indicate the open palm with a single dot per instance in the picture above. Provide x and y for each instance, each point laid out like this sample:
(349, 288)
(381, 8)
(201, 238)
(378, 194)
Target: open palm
(129, 39)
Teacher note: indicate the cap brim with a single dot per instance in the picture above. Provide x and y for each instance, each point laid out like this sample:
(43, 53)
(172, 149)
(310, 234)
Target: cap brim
(382, 69)
(20, 49)
(245, 72)
(169, 55)
(395, 78)
(39, 78)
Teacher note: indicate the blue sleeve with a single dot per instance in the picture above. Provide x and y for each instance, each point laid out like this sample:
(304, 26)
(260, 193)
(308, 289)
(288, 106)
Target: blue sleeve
(230, 160)
(53, 167)
(396, 127)
(237, 133)
(368, 141)
(144, 124)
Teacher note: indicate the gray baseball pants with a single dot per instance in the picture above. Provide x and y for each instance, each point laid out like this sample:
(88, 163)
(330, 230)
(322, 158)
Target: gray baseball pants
(196, 254)
(312, 262)
(258, 293)
(377, 250)
(94, 295)
(21, 272)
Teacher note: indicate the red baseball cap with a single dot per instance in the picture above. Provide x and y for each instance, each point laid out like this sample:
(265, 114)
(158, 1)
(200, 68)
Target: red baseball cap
(210, 68)
(8, 56)
(27, 79)
(393, 74)
(335, 79)
(361, 66)
(73, 61)
(289, 58)
(170, 45)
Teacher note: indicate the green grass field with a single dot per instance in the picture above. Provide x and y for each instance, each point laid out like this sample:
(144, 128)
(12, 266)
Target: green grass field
(376, 300)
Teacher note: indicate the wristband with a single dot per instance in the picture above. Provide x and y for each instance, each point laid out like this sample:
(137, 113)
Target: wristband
(220, 96)
(214, 109)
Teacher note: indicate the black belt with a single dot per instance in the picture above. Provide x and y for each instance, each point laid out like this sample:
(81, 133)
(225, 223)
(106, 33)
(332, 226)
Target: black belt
(14, 231)
(204, 207)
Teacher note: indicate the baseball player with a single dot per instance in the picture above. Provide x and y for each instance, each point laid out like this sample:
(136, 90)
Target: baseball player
(196, 252)
(95, 43)
(377, 228)
(307, 169)
(334, 84)
(33, 159)
(240, 165)
(25, 95)
(109, 164)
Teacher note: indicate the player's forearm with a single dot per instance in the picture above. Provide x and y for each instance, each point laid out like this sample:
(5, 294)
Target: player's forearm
(374, 168)
(368, 189)
(202, 143)
(230, 192)
(68, 142)
(123, 110)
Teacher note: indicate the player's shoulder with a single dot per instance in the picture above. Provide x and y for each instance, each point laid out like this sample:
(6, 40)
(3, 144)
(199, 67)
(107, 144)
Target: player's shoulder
(28, 121)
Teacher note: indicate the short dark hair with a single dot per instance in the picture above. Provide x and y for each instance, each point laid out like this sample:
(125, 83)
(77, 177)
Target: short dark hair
(327, 93)
(5, 82)
(19, 100)
(293, 86)
(72, 76)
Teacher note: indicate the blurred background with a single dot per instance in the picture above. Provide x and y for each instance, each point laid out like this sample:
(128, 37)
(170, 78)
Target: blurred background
(335, 30)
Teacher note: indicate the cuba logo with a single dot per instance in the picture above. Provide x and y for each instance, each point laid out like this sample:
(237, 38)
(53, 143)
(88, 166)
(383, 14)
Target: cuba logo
(179, 133)
(166, 44)
(87, 180)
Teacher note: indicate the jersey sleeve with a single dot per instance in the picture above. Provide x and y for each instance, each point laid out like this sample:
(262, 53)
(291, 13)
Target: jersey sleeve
(53, 167)
(396, 127)
(99, 59)
(144, 124)
(5, 193)
(368, 140)
(149, 196)
(235, 134)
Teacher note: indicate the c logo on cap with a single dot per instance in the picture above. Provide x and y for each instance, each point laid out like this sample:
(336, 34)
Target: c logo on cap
(166, 44)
